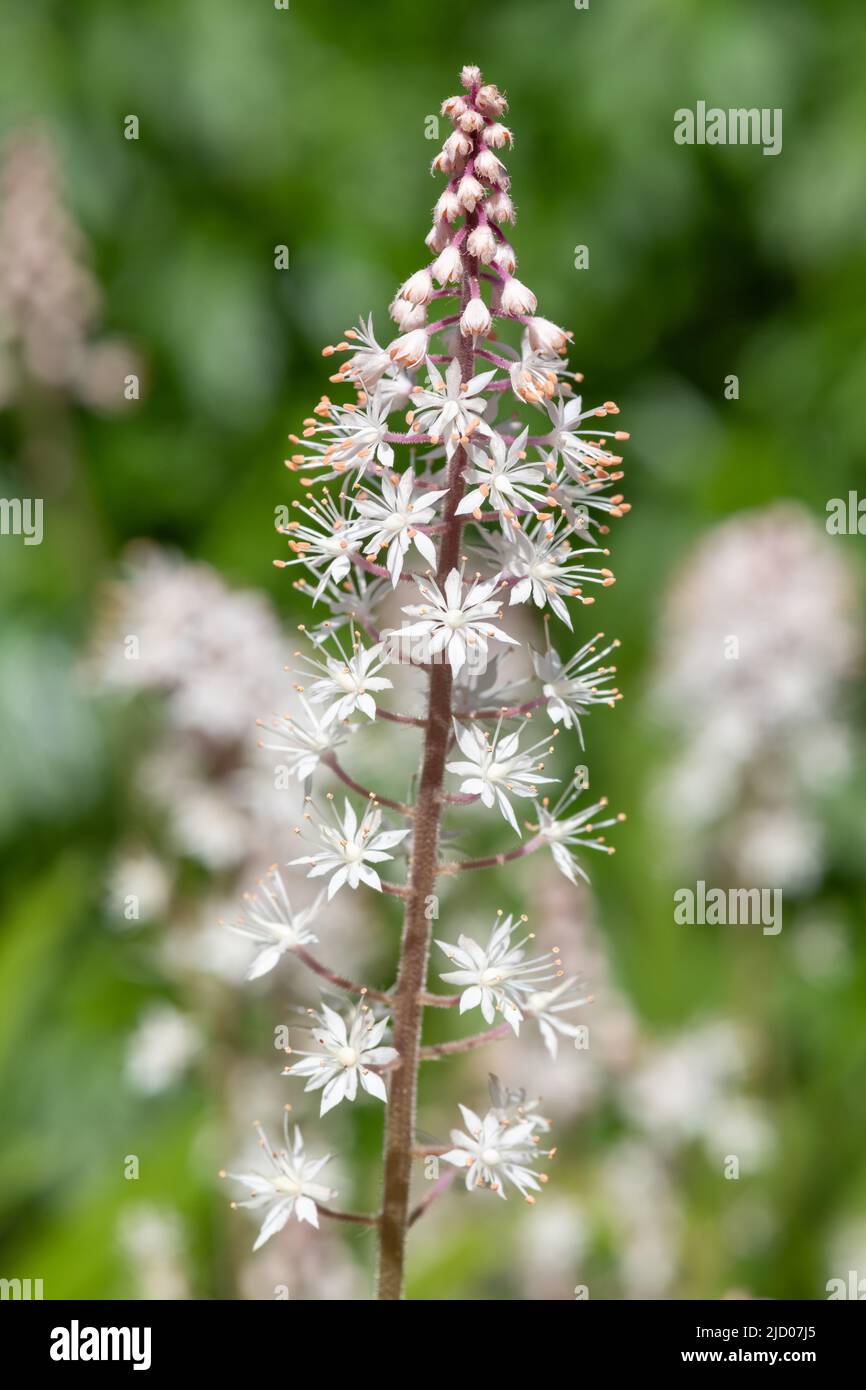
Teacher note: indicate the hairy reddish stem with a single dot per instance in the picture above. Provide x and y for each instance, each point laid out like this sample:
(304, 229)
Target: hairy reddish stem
(339, 981)
(440, 1185)
(492, 861)
(448, 1049)
(330, 761)
(504, 711)
(440, 1001)
(399, 718)
(415, 950)
(358, 1218)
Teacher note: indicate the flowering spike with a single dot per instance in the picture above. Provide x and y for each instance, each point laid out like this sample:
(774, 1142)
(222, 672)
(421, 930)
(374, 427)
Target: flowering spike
(465, 464)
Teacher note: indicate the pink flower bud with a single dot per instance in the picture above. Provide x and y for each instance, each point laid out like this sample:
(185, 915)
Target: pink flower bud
(409, 350)
(476, 318)
(457, 146)
(500, 207)
(448, 265)
(447, 207)
(505, 259)
(469, 192)
(418, 288)
(438, 236)
(517, 298)
(490, 168)
(481, 243)
(453, 107)
(491, 101)
(498, 135)
(545, 336)
(470, 76)
(471, 121)
(407, 316)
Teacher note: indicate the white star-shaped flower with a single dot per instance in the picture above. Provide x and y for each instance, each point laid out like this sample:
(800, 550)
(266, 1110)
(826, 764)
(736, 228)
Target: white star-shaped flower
(495, 768)
(393, 520)
(506, 482)
(370, 367)
(344, 1057)
(496, 976)
(572, 687)
(270, 922)
(566, 437)
(455, 621)
(369, 362)
(304, 742)
(547, 1005)
(546, 568)
(350, 438)
(325, 546)
(562, 830)
(351, 847)
(290, 1190)
(493, 1153)
(535, 376)
(347, 681)
(449, 410)
(583, 494)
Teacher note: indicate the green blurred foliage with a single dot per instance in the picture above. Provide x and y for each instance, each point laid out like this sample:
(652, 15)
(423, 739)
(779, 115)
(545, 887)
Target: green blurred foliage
(306, 127)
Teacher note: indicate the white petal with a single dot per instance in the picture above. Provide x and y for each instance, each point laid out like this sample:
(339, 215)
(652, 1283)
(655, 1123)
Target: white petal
(274, 1221)
(336, 882)
(373, 1083)
(470, 999)
(264, 961)
(305, 1210)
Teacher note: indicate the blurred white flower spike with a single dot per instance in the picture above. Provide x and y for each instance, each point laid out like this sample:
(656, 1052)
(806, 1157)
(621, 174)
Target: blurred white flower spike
(461, 484)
